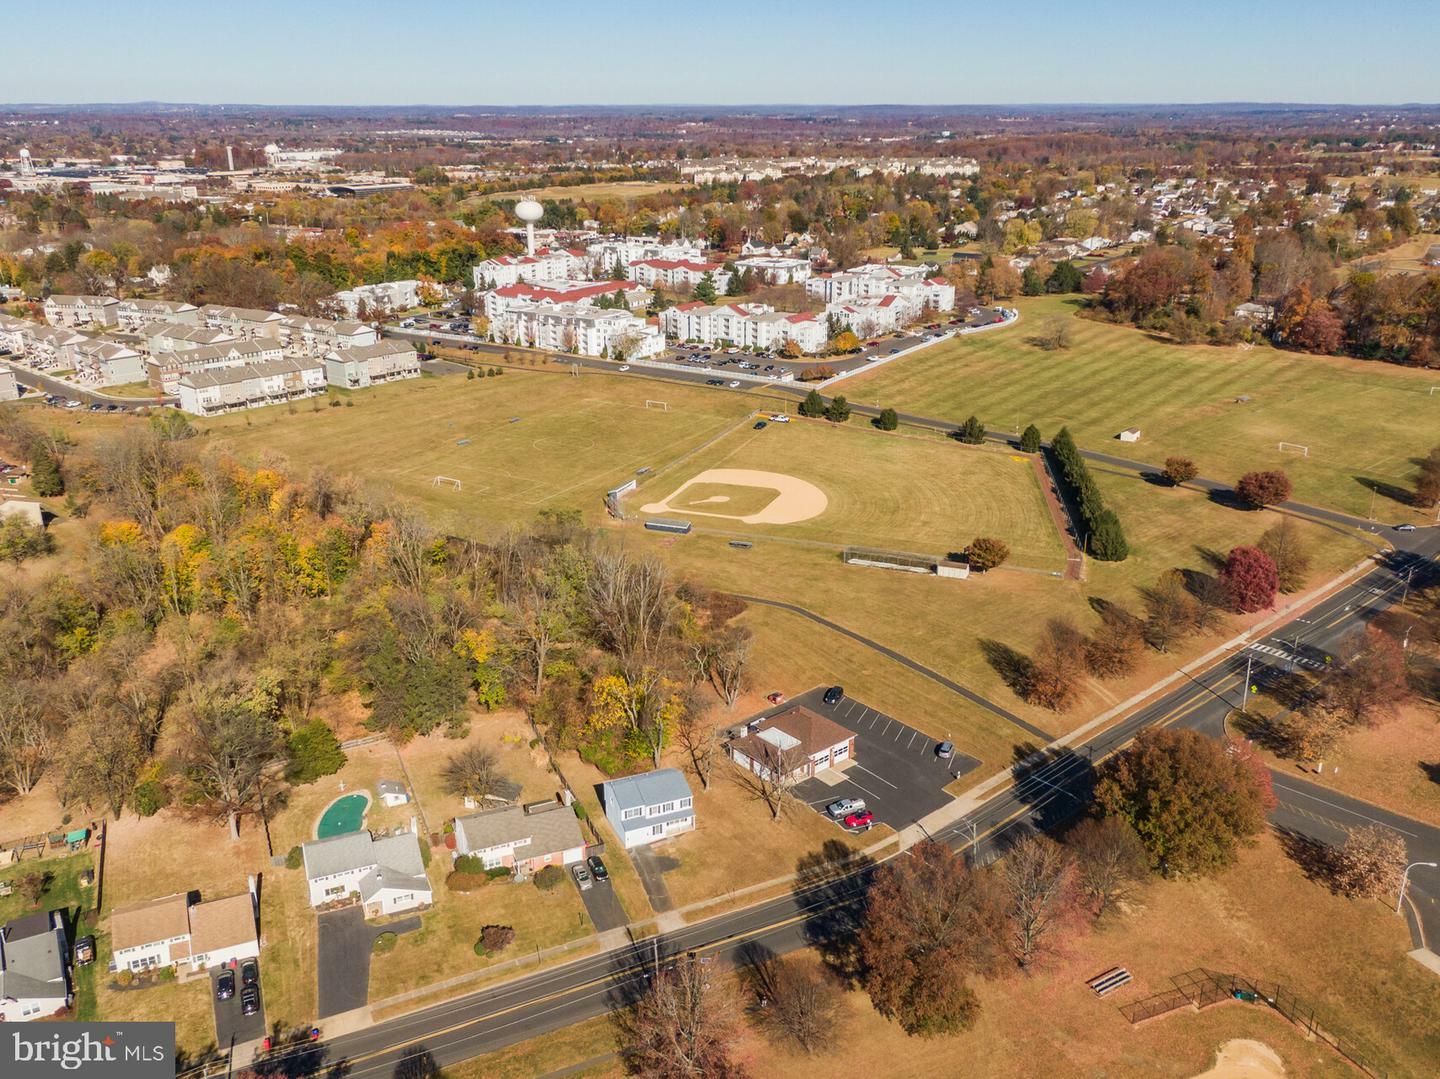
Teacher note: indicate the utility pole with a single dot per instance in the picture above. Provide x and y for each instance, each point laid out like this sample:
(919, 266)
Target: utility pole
(1245, 689)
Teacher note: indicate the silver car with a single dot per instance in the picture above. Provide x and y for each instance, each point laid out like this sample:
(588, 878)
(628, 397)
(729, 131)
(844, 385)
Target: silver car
(582, 877)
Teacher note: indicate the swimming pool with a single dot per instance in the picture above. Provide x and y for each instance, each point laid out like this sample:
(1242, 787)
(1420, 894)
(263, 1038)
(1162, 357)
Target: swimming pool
(344, 815)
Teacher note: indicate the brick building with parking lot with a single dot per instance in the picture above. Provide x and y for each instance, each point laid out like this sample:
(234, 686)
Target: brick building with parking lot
(802, 741)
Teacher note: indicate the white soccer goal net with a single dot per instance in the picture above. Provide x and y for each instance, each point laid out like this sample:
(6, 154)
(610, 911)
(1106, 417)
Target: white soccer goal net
(445, 481)
(663, 406)
(1295, 447)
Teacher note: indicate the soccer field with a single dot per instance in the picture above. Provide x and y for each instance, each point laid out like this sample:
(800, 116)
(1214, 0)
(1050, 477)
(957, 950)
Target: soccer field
(518, 443)
(1362, 422)
(852, 486)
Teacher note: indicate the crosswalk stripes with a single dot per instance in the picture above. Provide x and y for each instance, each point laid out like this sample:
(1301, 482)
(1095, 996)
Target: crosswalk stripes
(1280, 653)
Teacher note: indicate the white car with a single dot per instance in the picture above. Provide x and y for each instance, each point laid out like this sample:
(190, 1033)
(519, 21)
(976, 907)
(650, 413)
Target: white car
(733, 384)
(624, 367)
(779, 417)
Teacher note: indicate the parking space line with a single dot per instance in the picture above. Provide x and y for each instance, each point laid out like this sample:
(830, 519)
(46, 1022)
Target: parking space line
(912, 739)
(887, 726)
(868, 772)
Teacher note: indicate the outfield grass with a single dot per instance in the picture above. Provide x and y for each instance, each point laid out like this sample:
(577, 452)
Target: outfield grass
(884, 490)
(1363, 422)
(571, 440)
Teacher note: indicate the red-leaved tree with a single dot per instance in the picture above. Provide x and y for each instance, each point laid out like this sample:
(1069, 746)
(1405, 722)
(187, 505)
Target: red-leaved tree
(1250, 579)
(1260, 489)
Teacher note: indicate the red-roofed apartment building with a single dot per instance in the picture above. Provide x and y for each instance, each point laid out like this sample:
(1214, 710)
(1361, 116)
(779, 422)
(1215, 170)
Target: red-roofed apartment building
(678, 274)
(500, 300)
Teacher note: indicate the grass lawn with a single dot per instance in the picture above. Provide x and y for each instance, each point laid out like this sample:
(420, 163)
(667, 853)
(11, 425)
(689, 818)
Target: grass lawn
(568, 1048)
(444, 945)
(883, 490)
(62, 885)
(571, 440)
(142, 390)
(187, 1004)
(1363, 422)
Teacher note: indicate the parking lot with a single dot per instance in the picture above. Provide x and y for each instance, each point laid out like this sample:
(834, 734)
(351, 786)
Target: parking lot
(232, 1026)
(896, 770)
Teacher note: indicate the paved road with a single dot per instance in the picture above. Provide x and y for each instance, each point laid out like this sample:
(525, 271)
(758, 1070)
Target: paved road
(45, 384)
(1040, 795)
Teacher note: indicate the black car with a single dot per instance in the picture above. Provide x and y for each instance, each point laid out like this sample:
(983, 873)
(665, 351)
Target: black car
(249, 972)
(834, 695)
(225, 985)
(249, 1000)
(759, 425)
(597, 869)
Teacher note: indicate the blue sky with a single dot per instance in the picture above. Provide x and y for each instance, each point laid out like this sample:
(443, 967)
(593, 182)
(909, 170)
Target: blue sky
(467, 52)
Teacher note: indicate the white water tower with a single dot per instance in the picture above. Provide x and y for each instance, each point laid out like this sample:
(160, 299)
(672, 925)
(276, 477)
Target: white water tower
(27, 167)
(529, 211)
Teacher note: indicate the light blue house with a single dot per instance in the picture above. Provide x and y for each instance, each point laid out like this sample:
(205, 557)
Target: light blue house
(649, 807)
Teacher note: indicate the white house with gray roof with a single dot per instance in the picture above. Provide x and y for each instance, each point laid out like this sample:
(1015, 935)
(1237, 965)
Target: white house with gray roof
(525, 841)
(649, 807)
(34, 967)
(387, 875)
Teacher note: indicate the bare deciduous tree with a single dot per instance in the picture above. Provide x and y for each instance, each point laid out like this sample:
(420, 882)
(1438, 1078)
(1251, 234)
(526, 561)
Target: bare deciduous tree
(802, 1003)
(1039, 877)
(699, 738)
(1110, 860)
(728, 660)
(473, 773)
(631, 604)
(1369, 864)
(681, 1028)
(25, 742)
(774, 774)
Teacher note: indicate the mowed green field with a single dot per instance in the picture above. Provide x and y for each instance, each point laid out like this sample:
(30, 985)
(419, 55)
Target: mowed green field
(916, 494)
(570, 441)
(1363, 422)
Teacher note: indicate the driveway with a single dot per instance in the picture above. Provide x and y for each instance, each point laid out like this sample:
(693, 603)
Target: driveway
(896, 770)
(232, 1026)
(652, 864)
(603, 905)
(342, 972)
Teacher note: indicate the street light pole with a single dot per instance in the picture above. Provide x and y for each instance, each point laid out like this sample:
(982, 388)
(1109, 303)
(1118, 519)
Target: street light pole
(1405, 879)
(1245, 689)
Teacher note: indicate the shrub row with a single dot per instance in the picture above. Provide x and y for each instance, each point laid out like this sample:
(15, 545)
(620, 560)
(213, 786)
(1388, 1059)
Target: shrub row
(1106, 537)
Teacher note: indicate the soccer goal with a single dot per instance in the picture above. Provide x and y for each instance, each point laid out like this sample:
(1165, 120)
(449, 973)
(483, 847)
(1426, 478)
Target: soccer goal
(663, 406)
(445, 481)
(1295, 447)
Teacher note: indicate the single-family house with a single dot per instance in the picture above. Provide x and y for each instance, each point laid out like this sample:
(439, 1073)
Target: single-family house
(649, 807)
(34, 967)
(1130, 434)
(387, 875)
(166, 932)
(798, 741)
(525, 840)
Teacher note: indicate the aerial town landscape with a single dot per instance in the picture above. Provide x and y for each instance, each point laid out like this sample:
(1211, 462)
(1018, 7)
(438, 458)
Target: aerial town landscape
(726, 590)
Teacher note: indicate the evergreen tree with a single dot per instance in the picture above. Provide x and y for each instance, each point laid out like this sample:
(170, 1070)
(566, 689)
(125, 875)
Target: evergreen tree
(1107, 542)
(972, 432)
(1031, 283)
(1030, 439)
(813, 405)
(45, 478)
(705, 290)
(839, 410)
(1066, 277)
(887, 420)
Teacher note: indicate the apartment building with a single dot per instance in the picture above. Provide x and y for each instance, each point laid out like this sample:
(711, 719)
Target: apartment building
(230, 389)
(379, 299)
(776, 270)
(746, 325)
(678, 275)
(132, 315)
(243, 322)
(623, 250)
(158, 337)
(104, 363)
(873, 281)
(498, 300)
(78, 312)
(317, 336)
(368, 365)
(545, 265)
(164, 370)
(580, 328)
